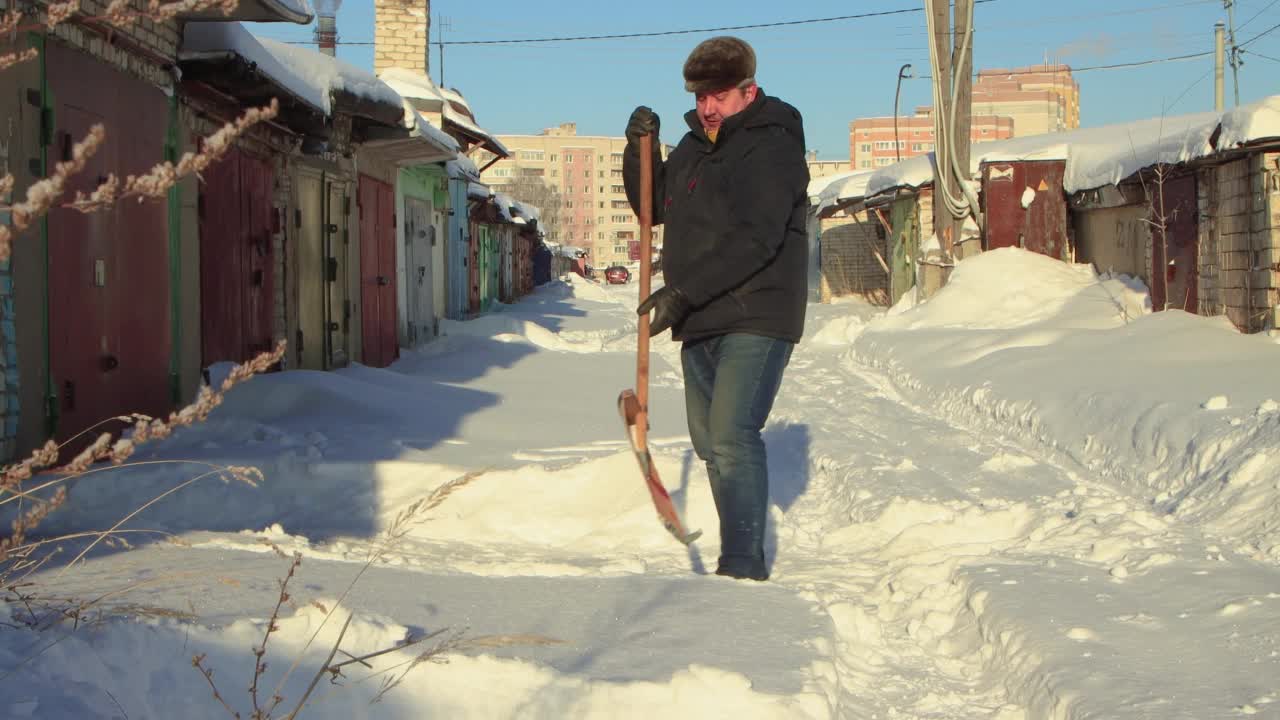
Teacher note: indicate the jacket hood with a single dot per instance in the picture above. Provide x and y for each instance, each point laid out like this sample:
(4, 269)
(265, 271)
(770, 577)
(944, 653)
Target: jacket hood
(764, 111)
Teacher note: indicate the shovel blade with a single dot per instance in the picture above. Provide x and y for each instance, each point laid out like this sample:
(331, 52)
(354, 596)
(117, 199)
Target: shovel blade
(630, 410)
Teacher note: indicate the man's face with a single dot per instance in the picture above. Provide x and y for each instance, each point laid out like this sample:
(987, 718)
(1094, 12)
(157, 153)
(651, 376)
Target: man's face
(715, 107)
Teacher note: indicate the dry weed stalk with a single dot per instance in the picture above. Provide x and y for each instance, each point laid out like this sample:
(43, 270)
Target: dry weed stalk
(42, 195)
(260, 652)
(155, 183)
(400, 526)
(151, 185)
(117, 452)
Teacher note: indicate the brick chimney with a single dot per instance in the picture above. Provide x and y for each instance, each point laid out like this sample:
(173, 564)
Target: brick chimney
(402, 30)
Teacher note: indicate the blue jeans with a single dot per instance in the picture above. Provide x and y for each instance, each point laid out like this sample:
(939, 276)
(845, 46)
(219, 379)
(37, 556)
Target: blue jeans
(730, 382)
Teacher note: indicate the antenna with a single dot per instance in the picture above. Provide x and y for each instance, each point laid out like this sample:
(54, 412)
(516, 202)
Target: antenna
(442, 23)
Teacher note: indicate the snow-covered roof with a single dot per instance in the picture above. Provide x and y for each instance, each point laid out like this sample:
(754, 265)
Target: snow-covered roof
(503, 203)
(411, 84)
(527, 211)
(1107, 155)
(463, 167)
(414, 121)
(425, 143)
(314, 77)
(478, 191)
(828, 191)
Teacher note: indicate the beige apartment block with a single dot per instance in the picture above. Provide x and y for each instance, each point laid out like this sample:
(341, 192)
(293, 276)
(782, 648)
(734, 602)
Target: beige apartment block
(824, 168)
(586, 172)
(1040, 98)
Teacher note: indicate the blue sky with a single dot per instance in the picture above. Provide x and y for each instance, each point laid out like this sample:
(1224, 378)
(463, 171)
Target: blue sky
(833, 72)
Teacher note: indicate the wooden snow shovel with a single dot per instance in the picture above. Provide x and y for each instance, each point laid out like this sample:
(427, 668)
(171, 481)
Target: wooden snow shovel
(634, 404)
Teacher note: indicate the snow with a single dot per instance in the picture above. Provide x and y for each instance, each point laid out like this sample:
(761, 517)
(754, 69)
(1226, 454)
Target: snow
(1026, 497)
(310, 75)
(1028, 197)
(828, 191)
(1106, 155)
(463, 167)
(414, 121)
(411, 83)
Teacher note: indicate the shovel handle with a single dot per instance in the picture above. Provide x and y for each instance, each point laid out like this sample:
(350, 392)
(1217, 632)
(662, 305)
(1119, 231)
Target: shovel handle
(646, 258)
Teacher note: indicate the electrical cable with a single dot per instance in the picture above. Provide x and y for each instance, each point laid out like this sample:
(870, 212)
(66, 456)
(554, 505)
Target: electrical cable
(660, 33)
(1255, 15)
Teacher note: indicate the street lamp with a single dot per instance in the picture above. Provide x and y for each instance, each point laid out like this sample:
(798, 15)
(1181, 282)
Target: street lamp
(904, 73)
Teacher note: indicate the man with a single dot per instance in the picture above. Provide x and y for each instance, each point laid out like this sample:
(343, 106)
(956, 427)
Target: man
(733, 198)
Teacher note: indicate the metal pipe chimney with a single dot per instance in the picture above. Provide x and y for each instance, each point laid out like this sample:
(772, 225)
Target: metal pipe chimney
(327, 26)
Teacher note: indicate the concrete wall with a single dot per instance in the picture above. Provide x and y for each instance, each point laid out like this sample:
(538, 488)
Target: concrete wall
(1239, 231)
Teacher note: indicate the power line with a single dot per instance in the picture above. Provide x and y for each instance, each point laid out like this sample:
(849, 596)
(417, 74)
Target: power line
(1264, 57)
(660, 33)
(1190, 87)
(1255, 15)
(1115, 66)
(1268, 31)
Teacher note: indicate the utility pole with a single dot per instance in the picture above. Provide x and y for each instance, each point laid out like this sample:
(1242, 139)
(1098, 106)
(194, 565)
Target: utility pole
(963, 53)
(1219, 30)
(940, 11)
(1235, 49)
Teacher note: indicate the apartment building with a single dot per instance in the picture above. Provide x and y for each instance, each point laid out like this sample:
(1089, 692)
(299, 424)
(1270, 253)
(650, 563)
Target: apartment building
(824, 168)
(1007, 102)
(585, 173)
(874, 143)
(1039, 98)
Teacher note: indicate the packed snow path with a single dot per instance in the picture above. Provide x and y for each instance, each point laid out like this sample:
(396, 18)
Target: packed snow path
(920, 569)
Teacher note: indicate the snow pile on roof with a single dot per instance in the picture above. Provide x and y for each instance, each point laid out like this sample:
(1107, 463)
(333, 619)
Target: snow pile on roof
(527, 211)
(463, 167)
(312, 76)
(411, 83)
(1106, 155)
(503, 203)
(414, 121)
(457, 117)
(478, 191)
(846, 186)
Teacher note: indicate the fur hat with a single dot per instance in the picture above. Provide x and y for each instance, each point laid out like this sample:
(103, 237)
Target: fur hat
(719, 63)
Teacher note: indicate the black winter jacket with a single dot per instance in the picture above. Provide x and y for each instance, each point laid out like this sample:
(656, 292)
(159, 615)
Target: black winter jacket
(736, 243)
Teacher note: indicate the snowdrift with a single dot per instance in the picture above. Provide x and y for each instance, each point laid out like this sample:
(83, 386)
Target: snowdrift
(1177, 408)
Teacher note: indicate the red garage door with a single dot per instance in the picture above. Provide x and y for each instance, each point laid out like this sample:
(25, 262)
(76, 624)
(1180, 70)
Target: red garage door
(236, 259)
(377, 272)
(108, 288)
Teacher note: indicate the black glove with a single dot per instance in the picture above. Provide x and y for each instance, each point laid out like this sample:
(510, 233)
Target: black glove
(669, 306)
(644, 121)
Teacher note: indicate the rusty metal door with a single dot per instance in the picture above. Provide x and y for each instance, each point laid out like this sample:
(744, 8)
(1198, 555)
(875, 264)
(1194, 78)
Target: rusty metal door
(473, 274)
(309, 345)
(337, 270)
(904, 219)
(418, 240)
(236, 259)
(108, 291)
(377, 272)
(1175, 285)
(257, 208)
(1040, 226)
